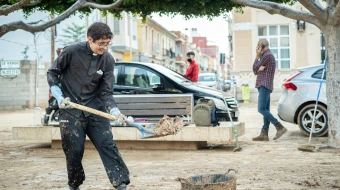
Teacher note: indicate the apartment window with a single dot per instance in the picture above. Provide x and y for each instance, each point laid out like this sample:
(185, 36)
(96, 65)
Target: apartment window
(278, 38)
(116, 28)
(178, 50)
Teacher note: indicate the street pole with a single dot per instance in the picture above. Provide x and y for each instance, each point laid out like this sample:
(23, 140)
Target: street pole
(86, 24)
(37, 109)
(52, 42)
(36, 71)
(235, 90)
(130, 37)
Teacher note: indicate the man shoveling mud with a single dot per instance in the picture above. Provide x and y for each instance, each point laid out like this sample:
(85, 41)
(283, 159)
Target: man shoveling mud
(83, 73)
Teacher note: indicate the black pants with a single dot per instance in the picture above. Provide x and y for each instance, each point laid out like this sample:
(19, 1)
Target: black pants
(73, 132)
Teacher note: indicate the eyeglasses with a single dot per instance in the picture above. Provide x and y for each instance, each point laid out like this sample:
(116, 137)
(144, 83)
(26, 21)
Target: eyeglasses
(104, 45)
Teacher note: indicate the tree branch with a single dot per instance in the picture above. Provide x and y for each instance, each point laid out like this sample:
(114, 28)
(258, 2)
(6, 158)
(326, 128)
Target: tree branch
(104, 7)
(315, 8)
(335, 15)
(5, 28)
(275, 8)
(33, 3)
(6, 9)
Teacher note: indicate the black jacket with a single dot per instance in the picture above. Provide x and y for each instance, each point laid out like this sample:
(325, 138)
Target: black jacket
(85, 78)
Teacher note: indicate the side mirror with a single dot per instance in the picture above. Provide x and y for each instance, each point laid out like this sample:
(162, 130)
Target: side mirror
(158, 87)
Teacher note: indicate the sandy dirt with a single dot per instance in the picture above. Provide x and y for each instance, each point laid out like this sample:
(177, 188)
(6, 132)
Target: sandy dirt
(261, 165)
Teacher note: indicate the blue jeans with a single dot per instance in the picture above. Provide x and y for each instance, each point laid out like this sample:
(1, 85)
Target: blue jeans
(264, 107)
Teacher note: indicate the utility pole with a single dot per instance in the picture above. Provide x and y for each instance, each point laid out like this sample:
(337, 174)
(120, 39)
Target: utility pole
(130, 37)
(86, 24)
(52, 41)
(37, 109)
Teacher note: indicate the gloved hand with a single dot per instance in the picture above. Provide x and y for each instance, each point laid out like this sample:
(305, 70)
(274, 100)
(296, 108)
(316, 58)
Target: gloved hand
(126, 120)
(121, 120)
(115, 111)
(57, 94)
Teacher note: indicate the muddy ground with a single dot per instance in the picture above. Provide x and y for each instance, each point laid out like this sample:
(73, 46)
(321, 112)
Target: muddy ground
(260, 165)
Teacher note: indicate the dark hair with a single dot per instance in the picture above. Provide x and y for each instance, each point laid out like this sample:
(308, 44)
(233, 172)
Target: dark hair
(190, 53)
(99, 30)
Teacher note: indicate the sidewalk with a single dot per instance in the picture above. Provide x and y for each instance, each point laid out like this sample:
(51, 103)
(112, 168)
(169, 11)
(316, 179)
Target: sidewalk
(248, 114)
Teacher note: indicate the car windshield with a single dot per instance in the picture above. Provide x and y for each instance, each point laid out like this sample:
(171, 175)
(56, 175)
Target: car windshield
(206, 78)
(172, 74)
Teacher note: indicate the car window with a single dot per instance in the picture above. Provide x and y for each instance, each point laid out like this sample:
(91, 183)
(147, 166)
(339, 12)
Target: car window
(206, 78)
(170, 73)
(318, 74)
(140, 77)
(154, 79)
(115, 74)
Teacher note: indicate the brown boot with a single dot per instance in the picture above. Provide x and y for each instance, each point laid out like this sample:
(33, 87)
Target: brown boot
(263, 136)
(280, 131)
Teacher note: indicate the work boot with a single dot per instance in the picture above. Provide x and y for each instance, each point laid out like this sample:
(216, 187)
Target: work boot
(73, 188)
(263, 136)
(121, 187)
(280, 131)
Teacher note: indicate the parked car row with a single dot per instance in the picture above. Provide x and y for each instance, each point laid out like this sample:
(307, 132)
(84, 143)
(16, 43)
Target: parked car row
(298, 100)
(148, 78)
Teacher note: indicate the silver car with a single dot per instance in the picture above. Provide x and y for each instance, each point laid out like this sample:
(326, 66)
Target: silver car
(298, 99)
(207, 79)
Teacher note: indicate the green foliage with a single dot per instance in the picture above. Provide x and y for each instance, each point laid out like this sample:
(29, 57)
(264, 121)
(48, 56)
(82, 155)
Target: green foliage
(24, 53)
(187, 8)
(73, 33)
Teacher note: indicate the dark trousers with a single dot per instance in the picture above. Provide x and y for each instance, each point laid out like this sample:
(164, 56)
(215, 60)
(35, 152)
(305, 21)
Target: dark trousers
(263, 107)
(73, 132)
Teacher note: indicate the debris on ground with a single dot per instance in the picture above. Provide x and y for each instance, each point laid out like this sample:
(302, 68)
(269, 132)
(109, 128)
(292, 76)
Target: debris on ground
(169, 126)
(166, 126)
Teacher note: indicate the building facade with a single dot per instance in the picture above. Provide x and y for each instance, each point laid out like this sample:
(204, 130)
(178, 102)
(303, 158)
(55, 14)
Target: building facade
(213, 63)
(157, 44)
(181, 50)
(124, 43)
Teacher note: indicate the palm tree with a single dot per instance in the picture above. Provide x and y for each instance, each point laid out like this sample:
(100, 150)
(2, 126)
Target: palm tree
(73, 33)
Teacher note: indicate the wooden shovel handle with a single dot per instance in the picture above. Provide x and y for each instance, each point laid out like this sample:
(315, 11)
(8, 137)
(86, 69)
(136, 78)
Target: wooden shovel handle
(90, 110)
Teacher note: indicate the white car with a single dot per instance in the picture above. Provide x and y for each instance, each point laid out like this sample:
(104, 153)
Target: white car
(298, 99)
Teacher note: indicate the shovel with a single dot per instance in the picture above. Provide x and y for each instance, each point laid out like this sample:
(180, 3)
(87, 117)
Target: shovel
(145, 132)
(309, 147)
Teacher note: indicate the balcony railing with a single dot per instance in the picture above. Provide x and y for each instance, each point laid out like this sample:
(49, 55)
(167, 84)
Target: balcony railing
(169, 53)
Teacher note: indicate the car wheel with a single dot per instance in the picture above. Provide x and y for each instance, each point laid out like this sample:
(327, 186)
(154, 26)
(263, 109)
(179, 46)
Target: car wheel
(305, 120)
(44, 120)
(55, 116)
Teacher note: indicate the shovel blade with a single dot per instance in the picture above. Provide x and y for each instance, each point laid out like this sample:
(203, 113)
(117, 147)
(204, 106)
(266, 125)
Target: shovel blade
(145, 132)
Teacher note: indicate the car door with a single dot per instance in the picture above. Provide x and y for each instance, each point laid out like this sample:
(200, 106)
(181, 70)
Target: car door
(138, 79)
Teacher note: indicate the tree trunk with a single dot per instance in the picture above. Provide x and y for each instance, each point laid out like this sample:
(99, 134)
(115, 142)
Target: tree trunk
(332, 34)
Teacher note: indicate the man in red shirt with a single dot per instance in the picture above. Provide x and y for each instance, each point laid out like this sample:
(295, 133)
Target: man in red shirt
(192, 70)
